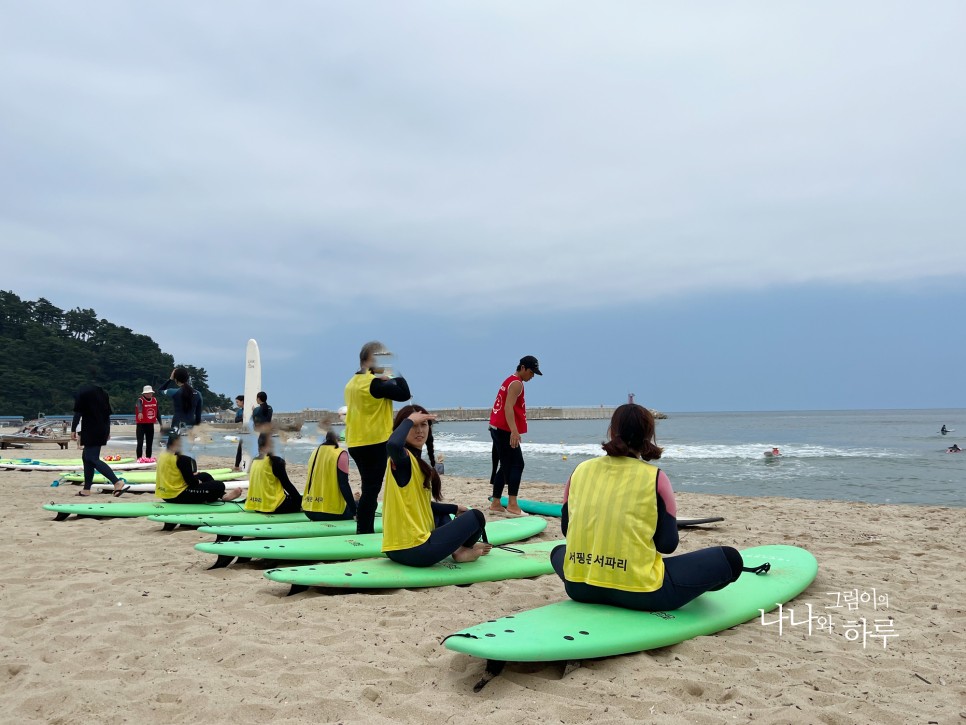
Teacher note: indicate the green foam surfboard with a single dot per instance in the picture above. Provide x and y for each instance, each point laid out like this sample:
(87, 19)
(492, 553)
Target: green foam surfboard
(255, 520)
(135, 510)
(345, 548)
(573, 631)
(301, 529)
(541, 508)
(385, 574)
(219, 474)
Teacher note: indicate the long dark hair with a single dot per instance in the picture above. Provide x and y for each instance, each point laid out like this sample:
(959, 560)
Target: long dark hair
(632, 433)
(431, 478)
(187, 392)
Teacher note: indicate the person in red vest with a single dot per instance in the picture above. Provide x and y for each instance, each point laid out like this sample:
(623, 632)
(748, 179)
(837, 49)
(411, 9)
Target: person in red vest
(146, 415)
(508, 422)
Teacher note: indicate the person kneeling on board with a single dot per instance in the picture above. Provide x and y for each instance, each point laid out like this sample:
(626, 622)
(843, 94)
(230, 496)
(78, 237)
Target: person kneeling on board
(416, 527)
(177, 482)
(619, 516)
(328, 496)
(269, 489)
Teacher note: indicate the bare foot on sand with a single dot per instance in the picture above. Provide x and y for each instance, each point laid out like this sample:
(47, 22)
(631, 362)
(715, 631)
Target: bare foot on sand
(464, 555)
(232, 493)
(496, 507)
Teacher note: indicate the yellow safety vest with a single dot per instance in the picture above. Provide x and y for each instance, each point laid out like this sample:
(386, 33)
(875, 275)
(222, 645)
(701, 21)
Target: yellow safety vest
(168, 481)
(407, 516)
(613, 517)
(265, 492)
(322, 494)
(368, 420)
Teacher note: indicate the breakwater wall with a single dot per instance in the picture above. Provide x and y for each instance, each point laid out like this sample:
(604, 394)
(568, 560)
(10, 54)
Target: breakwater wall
(602, 412)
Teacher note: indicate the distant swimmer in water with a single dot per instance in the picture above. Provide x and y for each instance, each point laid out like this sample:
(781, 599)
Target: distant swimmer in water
(944, 430)
(954, 449)
(775, 452)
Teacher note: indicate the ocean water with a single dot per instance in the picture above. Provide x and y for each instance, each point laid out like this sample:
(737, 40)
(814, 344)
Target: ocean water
(877, 456)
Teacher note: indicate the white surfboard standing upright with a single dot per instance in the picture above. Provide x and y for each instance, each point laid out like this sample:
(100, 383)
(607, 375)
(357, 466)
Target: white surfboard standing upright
(253, 385)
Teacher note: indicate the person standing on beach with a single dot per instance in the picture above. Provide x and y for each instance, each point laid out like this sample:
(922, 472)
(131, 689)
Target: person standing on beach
(262, 413)
(369, 395)
(508, 422)
(145, 416)
(186, 400)
(619, 516)
(92, 411)
(239, 419)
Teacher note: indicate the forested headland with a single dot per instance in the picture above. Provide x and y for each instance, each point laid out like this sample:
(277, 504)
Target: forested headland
(47, 353)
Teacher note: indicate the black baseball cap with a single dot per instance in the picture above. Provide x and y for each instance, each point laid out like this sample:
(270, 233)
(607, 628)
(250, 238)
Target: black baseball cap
(531, 363)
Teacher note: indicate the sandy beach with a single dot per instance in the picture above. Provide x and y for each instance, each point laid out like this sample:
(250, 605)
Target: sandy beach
(116, 621)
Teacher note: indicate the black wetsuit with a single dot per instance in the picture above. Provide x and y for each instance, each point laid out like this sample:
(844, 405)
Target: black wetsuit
(92, 405)
(262, 414)
(449, 535)
(371, 459)
(182, 418)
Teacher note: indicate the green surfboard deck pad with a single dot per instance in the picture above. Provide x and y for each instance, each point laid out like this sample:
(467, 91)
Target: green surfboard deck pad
(345, 548)
(301, 529)
(219, 474)
(230, 519)
(252, 520)
(136, 510)
(385, 574)
(570, 630)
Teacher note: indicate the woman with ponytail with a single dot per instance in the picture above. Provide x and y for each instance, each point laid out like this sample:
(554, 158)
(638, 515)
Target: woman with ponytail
(416, 527)
(619, 516)
(186, 400)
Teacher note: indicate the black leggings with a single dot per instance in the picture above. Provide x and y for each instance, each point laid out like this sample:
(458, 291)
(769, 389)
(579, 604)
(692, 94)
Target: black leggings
(145, 435)
(92, 462)
(205, 490)
(291, 505)
(686, 577)
(507, 464)
(465, 530)
(371, 461)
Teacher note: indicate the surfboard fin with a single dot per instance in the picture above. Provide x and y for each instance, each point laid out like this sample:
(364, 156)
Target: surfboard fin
(297, 589)
(221, 562)
(493, 669)
(61, 516)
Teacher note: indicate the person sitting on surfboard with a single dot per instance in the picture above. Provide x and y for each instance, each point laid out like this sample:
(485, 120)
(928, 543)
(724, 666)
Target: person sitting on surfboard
(368, 422)
(328, 496)
(944, 430)
(415, 525)
(177, 482)
(269, 489)
(619, 516)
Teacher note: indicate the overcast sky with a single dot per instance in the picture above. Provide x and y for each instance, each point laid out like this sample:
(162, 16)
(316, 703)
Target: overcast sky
(716, 206)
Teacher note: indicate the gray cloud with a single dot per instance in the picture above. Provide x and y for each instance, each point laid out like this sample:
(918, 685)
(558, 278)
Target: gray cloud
(494, 154)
